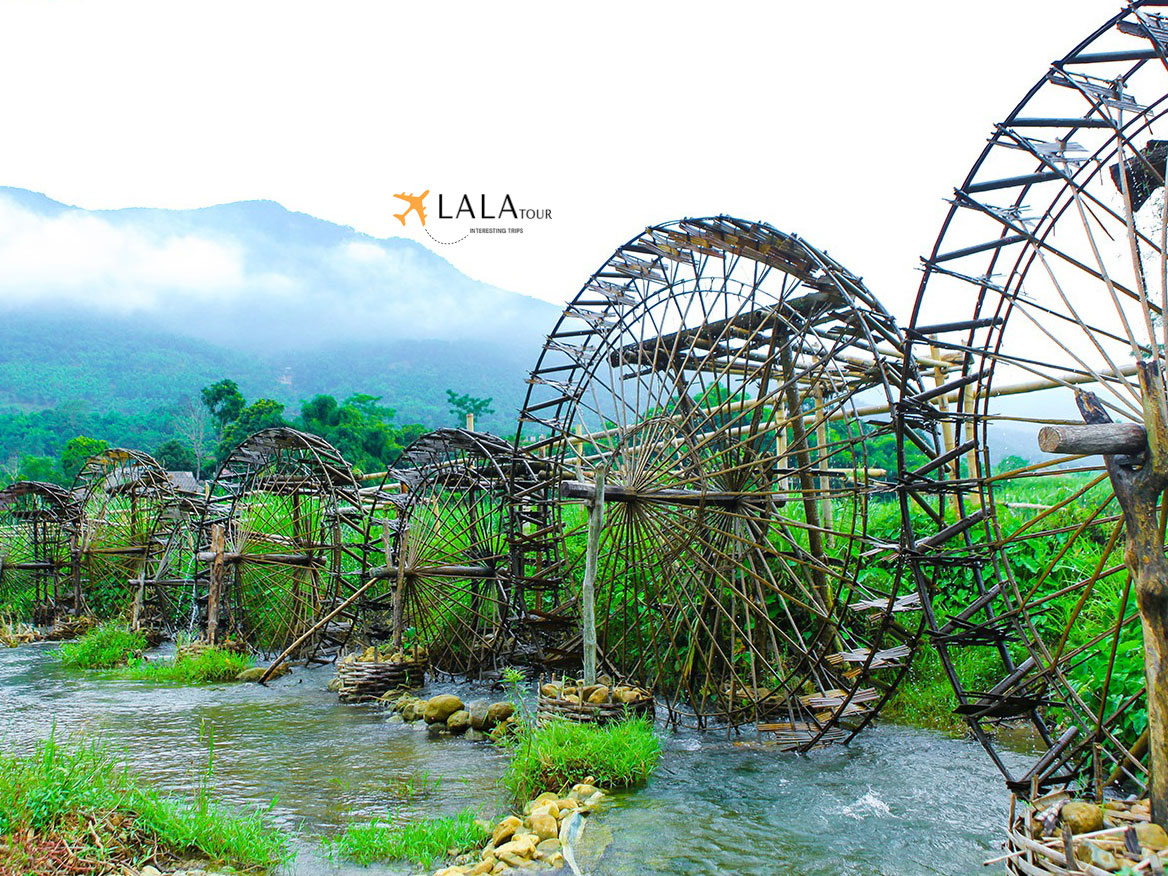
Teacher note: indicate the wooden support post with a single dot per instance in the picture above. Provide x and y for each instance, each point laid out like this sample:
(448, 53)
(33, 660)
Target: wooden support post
(470, 421)
(399, 584)
(76, 582)
(215, 582)
(947, 435)
(591, 560)
(827, 518)
(1139, 483)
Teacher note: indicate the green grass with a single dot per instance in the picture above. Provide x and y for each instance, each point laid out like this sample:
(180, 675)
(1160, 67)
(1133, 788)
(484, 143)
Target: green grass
(559, 754)
(210, 666)
(419, 842)
(103, 647)
(925, 697)
(60, 787)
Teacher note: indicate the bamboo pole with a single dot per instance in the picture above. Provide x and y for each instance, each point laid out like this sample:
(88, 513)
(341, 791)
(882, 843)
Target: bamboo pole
(316, 627)
(591, 560)
(215, 582)
(823, 481)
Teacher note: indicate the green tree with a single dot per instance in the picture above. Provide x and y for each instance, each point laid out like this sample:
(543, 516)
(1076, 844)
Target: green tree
(40, 468)
(461, 405)
(173, 455)
(77, 452)
(225, 402)
(263, 413)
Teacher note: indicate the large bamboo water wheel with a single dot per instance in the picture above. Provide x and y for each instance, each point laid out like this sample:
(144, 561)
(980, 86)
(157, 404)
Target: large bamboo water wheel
(724, 375)
(131, 541)
(1047, 288)
(280, 542)
(39, 524)
(448, 578)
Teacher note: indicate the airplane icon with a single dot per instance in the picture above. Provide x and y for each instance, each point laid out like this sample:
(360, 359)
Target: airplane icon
(415, 206)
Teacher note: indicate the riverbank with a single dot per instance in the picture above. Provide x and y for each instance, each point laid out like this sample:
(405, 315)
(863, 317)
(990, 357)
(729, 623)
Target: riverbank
(884, 804)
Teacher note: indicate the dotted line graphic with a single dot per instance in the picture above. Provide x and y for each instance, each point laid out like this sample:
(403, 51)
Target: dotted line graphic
(446, 242)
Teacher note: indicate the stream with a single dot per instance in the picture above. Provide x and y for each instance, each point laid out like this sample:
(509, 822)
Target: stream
(896, 802)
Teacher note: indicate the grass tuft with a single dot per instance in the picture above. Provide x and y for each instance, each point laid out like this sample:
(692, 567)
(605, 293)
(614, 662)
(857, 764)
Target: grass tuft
(419, 842)
(103, 647)
(207, 667)
(559, 754)
(83, 799)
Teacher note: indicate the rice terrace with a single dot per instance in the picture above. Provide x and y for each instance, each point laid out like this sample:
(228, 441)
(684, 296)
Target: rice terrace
(757, 554)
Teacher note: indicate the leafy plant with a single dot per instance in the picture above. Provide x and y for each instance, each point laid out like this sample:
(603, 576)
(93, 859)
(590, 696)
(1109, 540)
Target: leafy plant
(103, 647)
(420, 842)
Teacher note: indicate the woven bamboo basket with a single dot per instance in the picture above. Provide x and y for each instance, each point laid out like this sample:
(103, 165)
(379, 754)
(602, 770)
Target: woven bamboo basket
(557, 705)
(364, 681)
(1031, 853)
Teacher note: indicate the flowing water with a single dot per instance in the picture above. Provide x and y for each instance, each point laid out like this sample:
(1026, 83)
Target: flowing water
(897, 801)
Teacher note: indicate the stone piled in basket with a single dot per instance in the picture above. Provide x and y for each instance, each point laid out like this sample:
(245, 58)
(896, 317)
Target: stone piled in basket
(598, 703)
(1105, 838)
(537, 841)
(375, 671)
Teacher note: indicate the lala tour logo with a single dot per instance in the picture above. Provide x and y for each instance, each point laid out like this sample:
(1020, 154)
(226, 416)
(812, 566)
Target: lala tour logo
(460, 216)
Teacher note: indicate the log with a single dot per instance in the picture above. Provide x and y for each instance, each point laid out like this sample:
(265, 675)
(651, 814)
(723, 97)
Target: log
(591, 561)
(1139, 490)
(1107, 438)
(215, 584)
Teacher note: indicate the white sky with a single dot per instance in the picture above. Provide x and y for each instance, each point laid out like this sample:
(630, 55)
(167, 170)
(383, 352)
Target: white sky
(846, 123)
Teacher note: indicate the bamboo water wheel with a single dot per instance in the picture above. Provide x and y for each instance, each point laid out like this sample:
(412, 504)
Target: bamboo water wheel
(39, 524)
(280, 542)
(723, 374)
(447, 579)
(1047, 287)
(131, 541)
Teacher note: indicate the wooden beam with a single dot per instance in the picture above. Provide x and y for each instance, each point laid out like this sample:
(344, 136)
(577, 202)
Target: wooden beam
(1106, 438)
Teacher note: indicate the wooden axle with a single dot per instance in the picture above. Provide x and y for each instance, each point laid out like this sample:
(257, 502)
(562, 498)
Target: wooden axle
(622, 493)
(451, 571)
(1109, 438)
(258, 559)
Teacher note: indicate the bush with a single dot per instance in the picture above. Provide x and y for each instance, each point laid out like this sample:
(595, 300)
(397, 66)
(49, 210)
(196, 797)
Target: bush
(103, 647)
(82, 791)
(207, 667)
(419, 842)
(559, 754)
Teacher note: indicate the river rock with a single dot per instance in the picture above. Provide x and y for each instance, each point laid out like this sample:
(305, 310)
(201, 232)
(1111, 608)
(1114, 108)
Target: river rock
(583, 792)
(499, 712)
(484, 866)
(441, 707)
(395, 719)
(629, 695)
(548, 847)
(552, 689)
(505, 829)
(549, 807)
(459, 722)
(1086, 852)
(599, 694)
(479, 715)
(1082, 817)
(543, 825)
(522, 846)
(252, 674)
(1151, 836)
(150, 871)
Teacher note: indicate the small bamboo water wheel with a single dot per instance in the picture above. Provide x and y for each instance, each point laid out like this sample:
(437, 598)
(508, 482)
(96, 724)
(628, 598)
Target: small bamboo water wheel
(722, 375)
(1046, 294)
(280, 543)
(131, 541)
(39, 524)
(445, 581)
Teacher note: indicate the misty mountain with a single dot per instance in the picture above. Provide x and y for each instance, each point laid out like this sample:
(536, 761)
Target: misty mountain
(136, 308)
